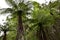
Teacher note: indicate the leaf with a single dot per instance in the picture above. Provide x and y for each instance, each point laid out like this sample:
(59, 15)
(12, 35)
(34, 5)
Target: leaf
(6, 10)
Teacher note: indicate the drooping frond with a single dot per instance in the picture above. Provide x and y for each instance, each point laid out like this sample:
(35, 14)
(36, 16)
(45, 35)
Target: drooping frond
(19, 1)
(6, 10)
(11, 3)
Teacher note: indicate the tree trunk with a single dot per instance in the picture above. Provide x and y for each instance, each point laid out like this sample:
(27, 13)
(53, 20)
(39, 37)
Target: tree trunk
(20, 31)
(4, 37)
(41, 33)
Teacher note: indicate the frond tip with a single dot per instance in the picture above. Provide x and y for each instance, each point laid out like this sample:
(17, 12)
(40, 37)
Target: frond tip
(6, 10)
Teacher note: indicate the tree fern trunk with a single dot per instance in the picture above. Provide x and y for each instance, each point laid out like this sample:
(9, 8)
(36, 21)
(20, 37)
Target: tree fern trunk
(44, 35)
(41, 33)
(4, 37)
(20, 32)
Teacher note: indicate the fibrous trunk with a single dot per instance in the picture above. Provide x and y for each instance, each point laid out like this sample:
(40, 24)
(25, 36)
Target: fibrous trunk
(4, 37)
(20, 32)
(41, 33)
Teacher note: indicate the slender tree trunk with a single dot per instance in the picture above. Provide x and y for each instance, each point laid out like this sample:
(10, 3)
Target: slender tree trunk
(44, 35)
(4, 37)
(41, 33)
(20, 31)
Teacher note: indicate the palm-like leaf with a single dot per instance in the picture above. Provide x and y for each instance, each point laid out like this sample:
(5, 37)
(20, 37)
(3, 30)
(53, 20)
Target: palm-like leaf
(11, 3)
(6, 10)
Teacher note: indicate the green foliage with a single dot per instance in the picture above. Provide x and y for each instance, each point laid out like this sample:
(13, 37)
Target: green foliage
(42, 22)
